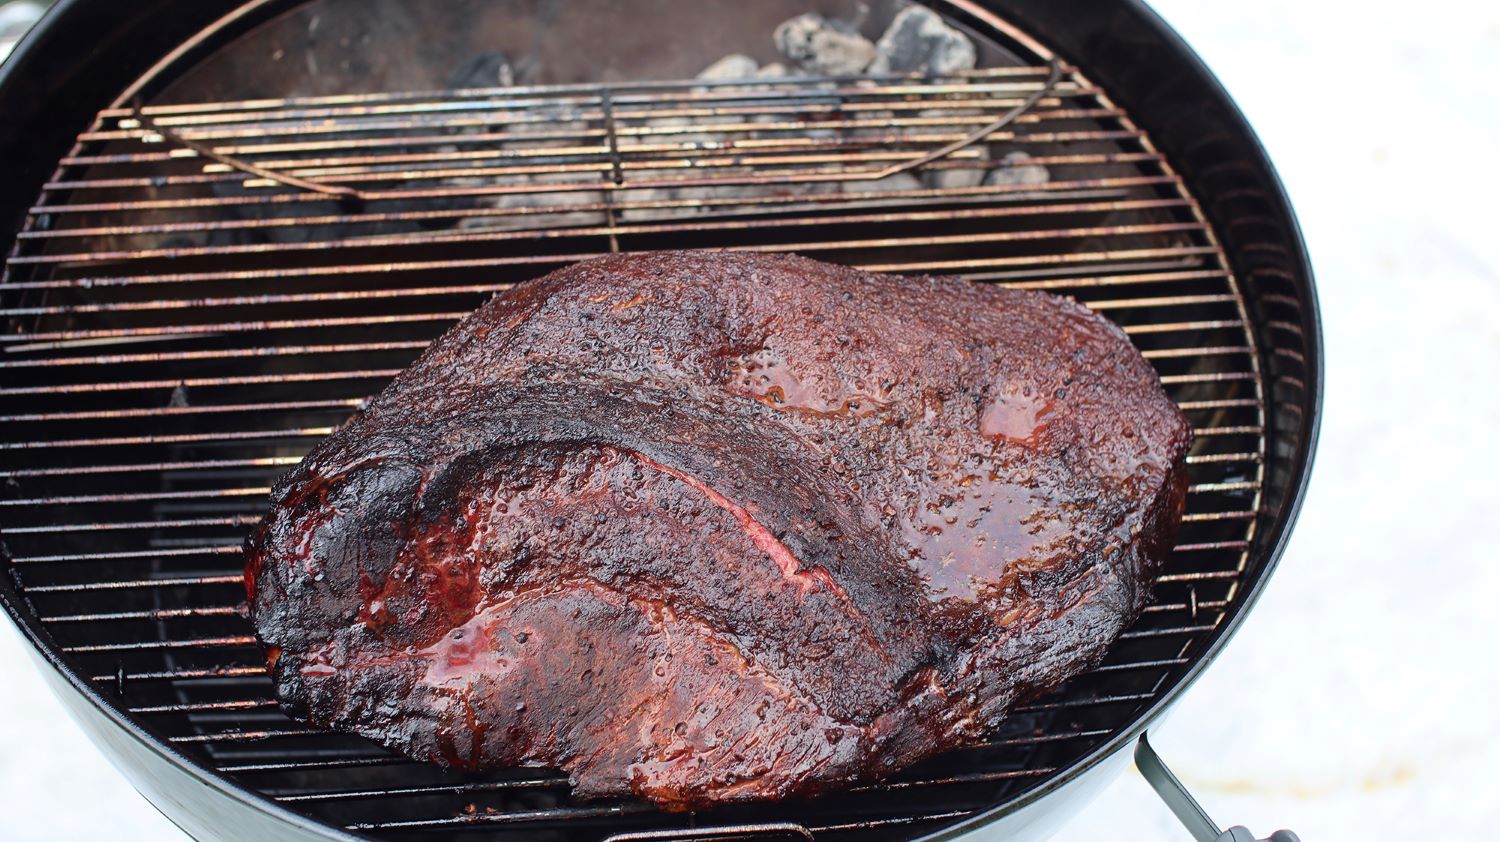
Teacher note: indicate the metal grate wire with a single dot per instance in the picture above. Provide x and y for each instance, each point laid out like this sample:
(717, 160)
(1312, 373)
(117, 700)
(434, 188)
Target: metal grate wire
(178, 330)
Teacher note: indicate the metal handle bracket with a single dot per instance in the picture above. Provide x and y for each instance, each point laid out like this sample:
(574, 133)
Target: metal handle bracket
(1186, 808)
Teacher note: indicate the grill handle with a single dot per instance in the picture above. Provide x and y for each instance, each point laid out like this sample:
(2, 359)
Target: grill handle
(1188, 810)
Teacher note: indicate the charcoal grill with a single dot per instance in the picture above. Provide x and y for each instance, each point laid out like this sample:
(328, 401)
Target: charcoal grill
(231, 223)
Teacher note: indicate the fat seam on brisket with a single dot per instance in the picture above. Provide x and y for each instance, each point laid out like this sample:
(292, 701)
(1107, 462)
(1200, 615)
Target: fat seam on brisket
(707, 526)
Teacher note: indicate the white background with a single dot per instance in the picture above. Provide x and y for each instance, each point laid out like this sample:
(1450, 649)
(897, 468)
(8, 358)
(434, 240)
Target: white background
(1362, 698)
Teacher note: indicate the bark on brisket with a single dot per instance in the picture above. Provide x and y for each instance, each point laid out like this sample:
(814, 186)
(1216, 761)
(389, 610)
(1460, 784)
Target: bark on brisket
(709, 527)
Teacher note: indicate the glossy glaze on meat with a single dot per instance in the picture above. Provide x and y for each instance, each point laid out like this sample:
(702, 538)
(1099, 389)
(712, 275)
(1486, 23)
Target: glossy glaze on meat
(705, 527)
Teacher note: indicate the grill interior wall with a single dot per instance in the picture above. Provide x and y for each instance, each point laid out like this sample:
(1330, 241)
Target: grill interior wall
(155, 380)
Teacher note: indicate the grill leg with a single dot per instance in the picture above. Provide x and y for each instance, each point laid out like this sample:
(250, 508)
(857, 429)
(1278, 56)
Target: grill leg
(1185, 807)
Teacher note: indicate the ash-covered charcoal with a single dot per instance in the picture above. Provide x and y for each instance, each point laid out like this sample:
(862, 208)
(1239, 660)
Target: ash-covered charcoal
(1017, 171)
(961, 174)
(919, 40)
(488, 69)
(901, 181)
(732, 66)
(537, 209)
(824, 47)
(953, 179)
(672, 135)
(645, 195)
(710, 200)
(717, 200)
(788, 125)
(960, 121)
(775, 131)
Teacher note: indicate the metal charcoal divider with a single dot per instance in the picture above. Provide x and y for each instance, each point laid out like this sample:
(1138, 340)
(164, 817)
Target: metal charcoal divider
(179, 331)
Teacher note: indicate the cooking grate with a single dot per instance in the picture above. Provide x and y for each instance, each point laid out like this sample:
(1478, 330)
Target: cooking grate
(181, 328)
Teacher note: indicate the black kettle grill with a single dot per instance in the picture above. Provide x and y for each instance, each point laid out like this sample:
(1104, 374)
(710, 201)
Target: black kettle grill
(229, 222)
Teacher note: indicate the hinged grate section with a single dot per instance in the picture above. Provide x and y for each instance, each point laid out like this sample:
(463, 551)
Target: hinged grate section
(204, 291)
